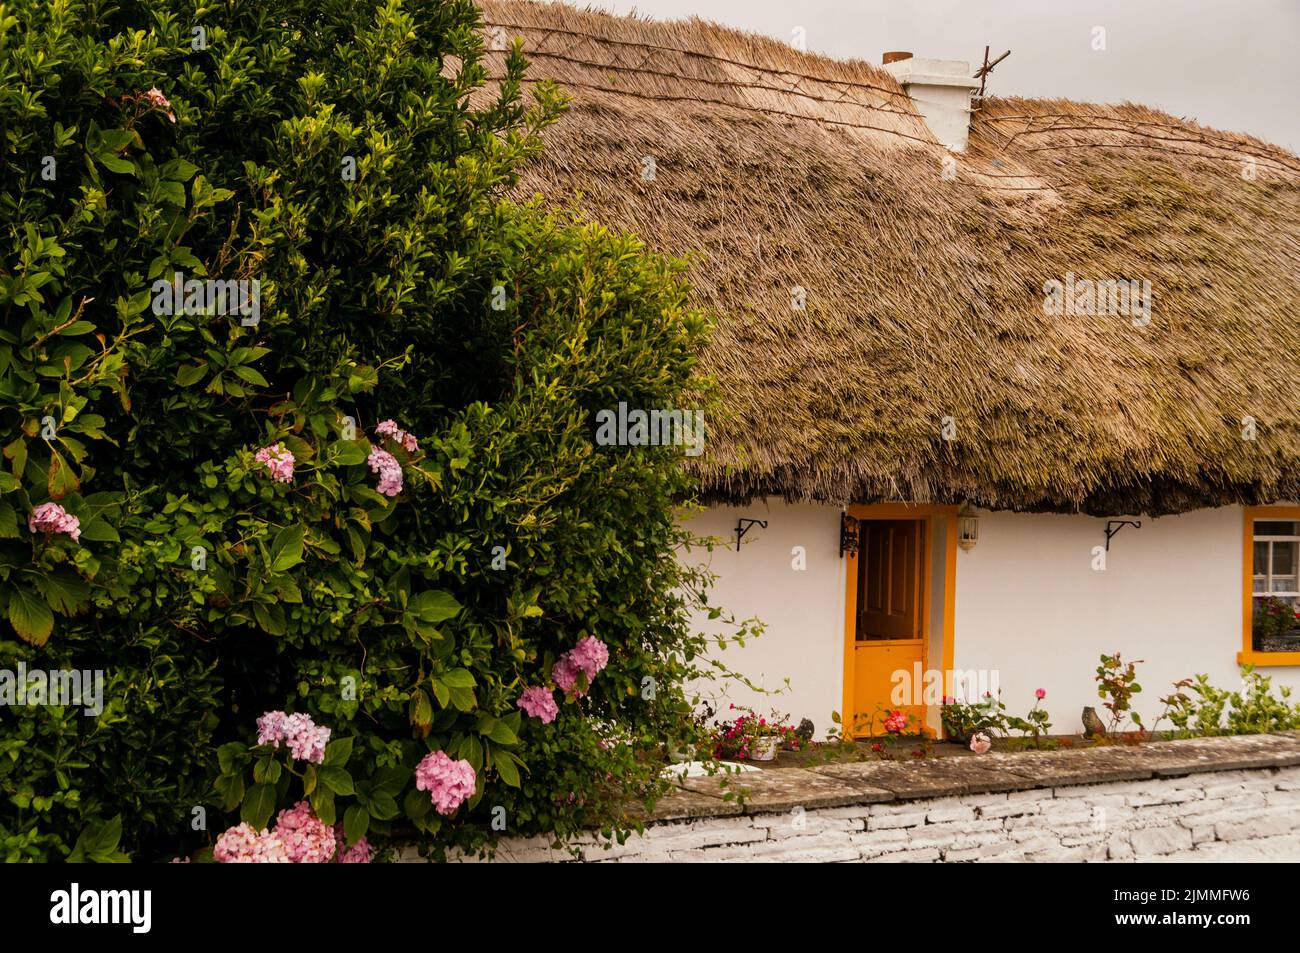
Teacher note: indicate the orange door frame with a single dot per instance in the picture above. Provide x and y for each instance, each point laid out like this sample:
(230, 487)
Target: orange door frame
(921, 511)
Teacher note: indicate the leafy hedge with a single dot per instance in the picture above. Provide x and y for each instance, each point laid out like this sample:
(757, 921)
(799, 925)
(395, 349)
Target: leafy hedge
(142, 139)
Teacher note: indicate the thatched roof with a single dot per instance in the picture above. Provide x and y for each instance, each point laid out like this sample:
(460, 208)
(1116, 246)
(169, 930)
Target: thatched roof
(925, 297)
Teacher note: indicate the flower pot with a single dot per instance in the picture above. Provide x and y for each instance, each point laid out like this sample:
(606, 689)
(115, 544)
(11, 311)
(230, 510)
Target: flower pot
(765, 748)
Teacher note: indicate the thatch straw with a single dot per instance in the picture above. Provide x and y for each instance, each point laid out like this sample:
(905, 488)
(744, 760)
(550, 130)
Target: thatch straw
(924, 296)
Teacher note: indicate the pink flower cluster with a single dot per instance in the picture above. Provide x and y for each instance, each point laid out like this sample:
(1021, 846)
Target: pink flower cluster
(980, 743)
(52, 518)
(389, 428)
(306, 839)
(588, 657)
(154, 97)
(278, 460)
(389, 470)
(300, 837)
(538, 702)
(243, 845)
(450, 783)
(306, 739)
(896, 723)
(358, 853)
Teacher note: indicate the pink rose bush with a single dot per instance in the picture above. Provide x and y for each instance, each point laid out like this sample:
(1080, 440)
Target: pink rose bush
(278, 460)
(538, 702)
(896, 723)
(588, 658)
(53, 518)
(306, 740)
(449, 782)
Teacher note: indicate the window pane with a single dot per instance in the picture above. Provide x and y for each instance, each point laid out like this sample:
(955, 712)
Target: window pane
(1284, 559)
(1261, 560)
(1276, 528)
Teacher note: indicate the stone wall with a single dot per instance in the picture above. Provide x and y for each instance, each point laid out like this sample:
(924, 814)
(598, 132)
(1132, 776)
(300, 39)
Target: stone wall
(1207, 799)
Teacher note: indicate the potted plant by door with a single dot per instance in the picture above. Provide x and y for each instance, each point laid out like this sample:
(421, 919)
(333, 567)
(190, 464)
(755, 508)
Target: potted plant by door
(754, 738)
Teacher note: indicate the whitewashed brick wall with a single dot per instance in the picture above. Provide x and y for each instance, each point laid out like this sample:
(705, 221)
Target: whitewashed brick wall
(1251, 814)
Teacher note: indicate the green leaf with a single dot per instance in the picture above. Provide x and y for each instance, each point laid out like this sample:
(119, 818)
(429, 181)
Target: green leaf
(65, 591)
(434, 606)
(231, 756)
(383, 806)
(286, 551)
(258, 806)
(356, 821)
(188, 374)
(348, 453)
(417, 804)
(506, 768)
(338, 751)
(502, 734)
(30, 616)
(8, 520)
(336, 779)
(458, 678)
(322, 804)
(100, 530)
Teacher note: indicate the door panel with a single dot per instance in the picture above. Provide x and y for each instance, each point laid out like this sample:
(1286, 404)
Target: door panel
(890, 632)
(889, 563)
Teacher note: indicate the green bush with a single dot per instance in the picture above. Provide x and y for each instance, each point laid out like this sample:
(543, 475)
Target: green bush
(209, 593)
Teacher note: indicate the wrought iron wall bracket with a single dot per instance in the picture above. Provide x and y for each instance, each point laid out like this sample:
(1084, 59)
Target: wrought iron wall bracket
(1117, 526)
(744, 525)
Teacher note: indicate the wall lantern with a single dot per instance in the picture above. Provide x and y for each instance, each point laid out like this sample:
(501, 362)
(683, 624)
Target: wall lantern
(968, 528)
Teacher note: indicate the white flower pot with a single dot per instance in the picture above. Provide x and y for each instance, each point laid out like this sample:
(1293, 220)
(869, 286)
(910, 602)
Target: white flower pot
(765, 748)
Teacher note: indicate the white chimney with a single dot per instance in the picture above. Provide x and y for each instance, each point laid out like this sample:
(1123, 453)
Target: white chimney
(941, 90)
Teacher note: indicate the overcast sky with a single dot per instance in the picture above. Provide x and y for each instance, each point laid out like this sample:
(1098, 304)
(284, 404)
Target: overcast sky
(1233, 64)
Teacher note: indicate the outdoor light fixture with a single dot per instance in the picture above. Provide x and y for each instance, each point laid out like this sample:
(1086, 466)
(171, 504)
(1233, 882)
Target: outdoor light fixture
(968, 528)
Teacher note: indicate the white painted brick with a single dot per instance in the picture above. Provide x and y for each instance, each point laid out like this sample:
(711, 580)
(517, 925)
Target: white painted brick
(926, 856)
(950, 814)
(1119, 847)
(1203, 835)
(887, 821)
(1267, 825)
(1160, 840)
(999, 850)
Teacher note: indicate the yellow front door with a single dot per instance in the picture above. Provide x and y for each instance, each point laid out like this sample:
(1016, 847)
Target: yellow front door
(889, 621)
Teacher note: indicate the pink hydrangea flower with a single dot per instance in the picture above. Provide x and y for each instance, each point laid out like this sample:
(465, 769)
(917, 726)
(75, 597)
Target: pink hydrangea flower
(389, 428)
(980, 743)
(278, 460)
(243, 845)
(389, 470)
(538, 702)
(450, 783)
(358, 853)
(306, 839)
(590, 655)
(306, 739)
(565, 673)
(53, 518)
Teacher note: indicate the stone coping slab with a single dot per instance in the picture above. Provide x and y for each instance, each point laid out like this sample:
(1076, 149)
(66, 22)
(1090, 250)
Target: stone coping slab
(846, 784)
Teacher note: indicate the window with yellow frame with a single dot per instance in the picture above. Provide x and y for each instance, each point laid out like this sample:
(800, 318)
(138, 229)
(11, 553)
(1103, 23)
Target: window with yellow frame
(1272, 586)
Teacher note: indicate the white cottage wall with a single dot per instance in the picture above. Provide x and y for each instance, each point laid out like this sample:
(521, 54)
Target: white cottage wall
(1029, 606)
(803, 609)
